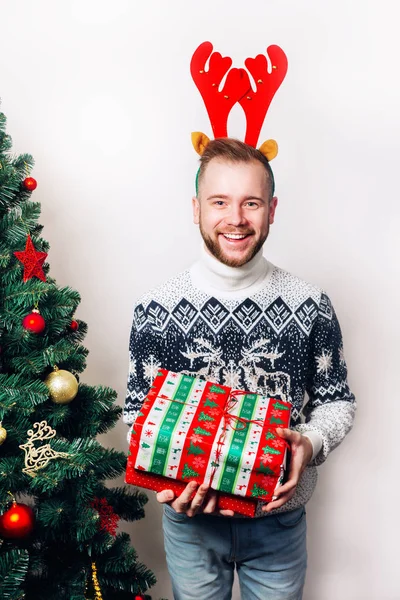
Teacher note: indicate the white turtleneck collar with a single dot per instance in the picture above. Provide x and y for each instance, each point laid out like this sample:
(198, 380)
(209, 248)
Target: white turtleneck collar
(211, 276)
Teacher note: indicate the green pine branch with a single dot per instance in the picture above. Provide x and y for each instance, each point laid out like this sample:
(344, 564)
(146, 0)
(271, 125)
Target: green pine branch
(17, 390)
(127, 504)
(61, 353)
(13, 568)
(18, 223)
(11, 477)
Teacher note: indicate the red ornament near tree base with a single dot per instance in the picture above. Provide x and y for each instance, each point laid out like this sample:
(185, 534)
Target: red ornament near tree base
(30, 184)
(34, 322)
(74, 325)
(17, 522)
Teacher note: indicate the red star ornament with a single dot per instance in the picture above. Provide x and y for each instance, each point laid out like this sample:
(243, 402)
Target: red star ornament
(32, 261)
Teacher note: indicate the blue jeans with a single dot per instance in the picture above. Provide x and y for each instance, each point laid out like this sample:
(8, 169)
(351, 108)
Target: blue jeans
(269, 554)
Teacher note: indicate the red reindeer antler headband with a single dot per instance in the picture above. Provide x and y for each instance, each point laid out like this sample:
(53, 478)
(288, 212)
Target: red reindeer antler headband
(237, 88)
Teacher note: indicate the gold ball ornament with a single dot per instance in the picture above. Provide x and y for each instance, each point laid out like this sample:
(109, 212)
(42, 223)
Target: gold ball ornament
(63, 386)
(3, 434)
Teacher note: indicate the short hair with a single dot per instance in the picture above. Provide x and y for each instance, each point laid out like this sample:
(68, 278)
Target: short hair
(234, 151)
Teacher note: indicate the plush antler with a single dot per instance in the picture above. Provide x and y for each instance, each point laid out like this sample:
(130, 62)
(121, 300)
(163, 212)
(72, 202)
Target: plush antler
(255, 104)
(218, 103)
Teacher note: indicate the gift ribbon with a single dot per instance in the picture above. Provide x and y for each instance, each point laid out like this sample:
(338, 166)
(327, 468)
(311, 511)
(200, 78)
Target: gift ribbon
(227, 416)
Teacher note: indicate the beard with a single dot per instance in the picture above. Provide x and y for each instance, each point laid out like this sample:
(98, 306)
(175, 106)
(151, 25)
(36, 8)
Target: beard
(214, 247)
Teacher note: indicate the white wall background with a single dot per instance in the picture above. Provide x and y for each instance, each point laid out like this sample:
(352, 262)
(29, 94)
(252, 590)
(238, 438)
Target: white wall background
(100, 93)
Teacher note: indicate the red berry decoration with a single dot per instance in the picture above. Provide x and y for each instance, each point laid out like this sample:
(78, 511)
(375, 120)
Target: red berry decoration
(17, 522)
(30, 184)
(34, 322)
(74, 325)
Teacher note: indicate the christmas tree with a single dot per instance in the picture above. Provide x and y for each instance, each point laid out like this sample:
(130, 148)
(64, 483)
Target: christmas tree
(201, 431)
(193, 449)
(205, 417)
(58, 523)
(188, 472)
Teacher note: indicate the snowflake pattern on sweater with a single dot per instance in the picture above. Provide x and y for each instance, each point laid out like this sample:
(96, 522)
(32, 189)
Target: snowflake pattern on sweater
(284, 339)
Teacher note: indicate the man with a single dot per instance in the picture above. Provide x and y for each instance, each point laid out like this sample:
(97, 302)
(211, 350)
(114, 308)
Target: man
(238, 320)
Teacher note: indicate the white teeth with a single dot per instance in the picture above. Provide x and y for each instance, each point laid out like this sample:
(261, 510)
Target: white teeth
(234, 236)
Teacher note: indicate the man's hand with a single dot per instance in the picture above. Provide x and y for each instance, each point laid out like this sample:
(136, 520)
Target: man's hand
(301, 453)
(204, 500)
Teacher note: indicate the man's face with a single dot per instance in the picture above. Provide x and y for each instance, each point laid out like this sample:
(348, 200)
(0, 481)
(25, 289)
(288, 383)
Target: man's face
(233, 211)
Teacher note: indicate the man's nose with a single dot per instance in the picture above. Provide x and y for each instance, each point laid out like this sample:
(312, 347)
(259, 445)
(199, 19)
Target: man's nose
(236, 216)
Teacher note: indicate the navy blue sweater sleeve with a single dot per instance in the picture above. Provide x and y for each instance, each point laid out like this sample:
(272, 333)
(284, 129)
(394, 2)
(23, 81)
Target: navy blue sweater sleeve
(331, 405)
(144, 351)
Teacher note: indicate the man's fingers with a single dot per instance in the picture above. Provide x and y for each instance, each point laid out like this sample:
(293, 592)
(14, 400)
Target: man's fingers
(287, 434)
(225, 512)
(210, 503)
(204, 500)
(286, 487)
(165, 496)
(183, 501)
(197, 501)
(279, 502)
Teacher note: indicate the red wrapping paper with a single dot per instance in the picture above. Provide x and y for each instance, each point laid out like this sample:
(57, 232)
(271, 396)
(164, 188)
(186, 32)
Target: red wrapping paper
(158, 483)
(184, 424)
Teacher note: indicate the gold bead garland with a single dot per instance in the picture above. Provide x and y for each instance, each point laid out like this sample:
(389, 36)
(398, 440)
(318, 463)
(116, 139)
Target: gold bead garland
(96, 585)
(97, 590)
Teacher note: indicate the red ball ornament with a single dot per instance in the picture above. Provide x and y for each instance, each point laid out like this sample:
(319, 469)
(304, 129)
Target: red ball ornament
(74, 325)
(17, 522)
(34, 322)
(30, 184)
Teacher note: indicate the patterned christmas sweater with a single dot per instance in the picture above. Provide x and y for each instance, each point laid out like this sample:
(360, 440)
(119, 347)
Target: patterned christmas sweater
(255, 328)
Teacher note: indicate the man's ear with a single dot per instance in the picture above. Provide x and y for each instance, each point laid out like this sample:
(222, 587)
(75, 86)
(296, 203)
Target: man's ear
(272, 208)
(196, 210)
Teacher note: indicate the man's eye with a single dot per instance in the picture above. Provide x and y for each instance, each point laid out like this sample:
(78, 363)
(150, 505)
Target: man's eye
(252, 204)
(219, 202)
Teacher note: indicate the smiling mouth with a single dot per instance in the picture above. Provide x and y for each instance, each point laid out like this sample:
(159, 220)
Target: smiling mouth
(235, 237)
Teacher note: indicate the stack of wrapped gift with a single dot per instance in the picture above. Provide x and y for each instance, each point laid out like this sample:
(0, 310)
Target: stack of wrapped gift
(194, 430)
